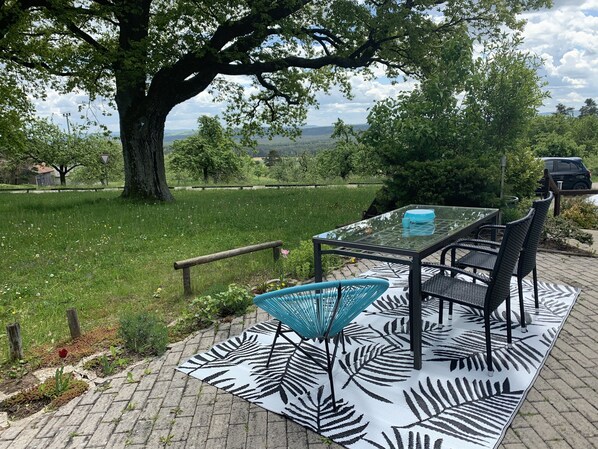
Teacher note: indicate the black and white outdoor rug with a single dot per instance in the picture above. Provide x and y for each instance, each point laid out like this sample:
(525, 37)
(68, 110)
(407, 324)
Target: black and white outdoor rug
(382, 401)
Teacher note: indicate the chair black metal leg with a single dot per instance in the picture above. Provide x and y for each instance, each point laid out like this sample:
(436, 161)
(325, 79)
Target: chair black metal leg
(509, 331)
(488, 344)
(410, 324)
(535, 277)
(329, 362)
(450, 314)
(342, 337)
(521, 305)
(440, 311)
(278, 328)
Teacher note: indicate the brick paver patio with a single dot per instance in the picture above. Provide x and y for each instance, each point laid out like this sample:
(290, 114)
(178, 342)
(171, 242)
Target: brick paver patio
(161, 407)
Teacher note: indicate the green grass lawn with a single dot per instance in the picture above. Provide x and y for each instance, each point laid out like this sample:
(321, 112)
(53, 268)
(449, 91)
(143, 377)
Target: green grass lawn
(102, 255)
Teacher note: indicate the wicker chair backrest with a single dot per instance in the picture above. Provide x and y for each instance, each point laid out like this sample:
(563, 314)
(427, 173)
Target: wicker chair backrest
(527, 261)
(500, 285)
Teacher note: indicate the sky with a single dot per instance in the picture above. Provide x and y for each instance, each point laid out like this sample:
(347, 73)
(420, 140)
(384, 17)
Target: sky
(564, 36)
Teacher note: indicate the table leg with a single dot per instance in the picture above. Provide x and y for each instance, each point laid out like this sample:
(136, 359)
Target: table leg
(318, 262)
(415, 312)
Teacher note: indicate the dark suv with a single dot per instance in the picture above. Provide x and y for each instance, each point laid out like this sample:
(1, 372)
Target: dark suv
(570, 170)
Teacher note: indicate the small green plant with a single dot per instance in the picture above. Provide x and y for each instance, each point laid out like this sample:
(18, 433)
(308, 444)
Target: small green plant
(233, 301)
(61, 380)
(166, 440)
(299, 262)
(17, 370)
(130, 407)
(143, 333)
(73, 435)
(110, 364)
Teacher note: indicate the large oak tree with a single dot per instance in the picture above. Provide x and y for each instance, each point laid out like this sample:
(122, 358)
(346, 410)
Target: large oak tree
(150, 55)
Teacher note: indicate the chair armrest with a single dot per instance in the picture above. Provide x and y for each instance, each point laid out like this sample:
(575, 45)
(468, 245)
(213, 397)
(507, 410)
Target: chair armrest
(458, 245)
(489, 227)
(456, 270)
(481, 242)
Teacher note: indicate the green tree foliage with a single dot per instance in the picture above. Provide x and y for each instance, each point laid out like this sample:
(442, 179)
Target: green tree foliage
(272, 158)
(566, 135)
(15, 110)
(147, 56)
(210, 153)
(94, 169)
(439, 150)
(561, 109)
(349, 155)
(554, 144)
(64, 151)
(338, 161)
(589, 108)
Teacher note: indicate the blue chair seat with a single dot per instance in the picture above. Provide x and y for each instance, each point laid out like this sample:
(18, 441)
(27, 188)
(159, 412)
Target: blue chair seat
(320, 311)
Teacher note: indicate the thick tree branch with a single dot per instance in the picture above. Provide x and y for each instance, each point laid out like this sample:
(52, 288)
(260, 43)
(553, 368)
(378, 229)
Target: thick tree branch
(85, 37)
(293, 61)
(229, 32)
(275, 91)
(39, 64)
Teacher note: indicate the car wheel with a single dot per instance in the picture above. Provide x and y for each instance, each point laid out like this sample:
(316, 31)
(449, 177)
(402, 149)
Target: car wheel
(580, 186)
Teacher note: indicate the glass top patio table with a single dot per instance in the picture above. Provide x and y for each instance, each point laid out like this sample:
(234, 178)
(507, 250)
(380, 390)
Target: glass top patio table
(384, 238)
(386, 233)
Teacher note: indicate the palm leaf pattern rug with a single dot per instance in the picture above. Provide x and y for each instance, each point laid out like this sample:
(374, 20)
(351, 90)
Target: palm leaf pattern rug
(382, 402)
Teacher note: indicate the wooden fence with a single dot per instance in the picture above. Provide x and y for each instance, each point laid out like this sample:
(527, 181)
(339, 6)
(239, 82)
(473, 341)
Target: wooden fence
(551, 185)
(186, 265)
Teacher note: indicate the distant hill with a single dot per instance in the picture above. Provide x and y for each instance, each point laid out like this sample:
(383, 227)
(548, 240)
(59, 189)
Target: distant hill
(312, 139)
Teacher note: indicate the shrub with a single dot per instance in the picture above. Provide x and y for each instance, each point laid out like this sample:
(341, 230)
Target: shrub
(558, 230)
(300, 261)
(581, 211)
(459, 181)
(512, 212)
(233, 301)
(143, 333)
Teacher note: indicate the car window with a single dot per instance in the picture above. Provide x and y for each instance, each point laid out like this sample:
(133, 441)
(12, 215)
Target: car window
(565, 166)
(548, 165)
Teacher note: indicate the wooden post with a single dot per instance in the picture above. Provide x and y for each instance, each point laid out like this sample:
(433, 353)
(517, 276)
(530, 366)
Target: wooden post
(73, 320)
(187, 280)
(276, 253)
(549, 185)
(557, 204)
(15, 342)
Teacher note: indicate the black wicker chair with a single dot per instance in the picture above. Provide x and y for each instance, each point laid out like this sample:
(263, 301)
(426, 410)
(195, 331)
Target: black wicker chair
(447, 287)
(526, 264)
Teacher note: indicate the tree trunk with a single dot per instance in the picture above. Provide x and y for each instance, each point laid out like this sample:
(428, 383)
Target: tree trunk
(62, 174)
(142, 141)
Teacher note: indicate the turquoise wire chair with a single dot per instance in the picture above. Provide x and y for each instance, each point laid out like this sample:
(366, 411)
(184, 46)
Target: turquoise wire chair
(319, 311)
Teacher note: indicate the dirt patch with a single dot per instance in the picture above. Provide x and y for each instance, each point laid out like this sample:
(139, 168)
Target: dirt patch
(8, 386)
(36, 398)
(90, 343)
(112, 363)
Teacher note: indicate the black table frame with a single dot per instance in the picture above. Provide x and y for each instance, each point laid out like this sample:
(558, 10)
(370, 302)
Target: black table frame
(397, 255)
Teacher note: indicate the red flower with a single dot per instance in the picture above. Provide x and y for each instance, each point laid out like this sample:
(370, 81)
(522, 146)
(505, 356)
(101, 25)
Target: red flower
(63, 353)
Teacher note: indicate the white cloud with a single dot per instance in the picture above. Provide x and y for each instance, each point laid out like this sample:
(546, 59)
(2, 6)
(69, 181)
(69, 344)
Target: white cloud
(566, 37)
